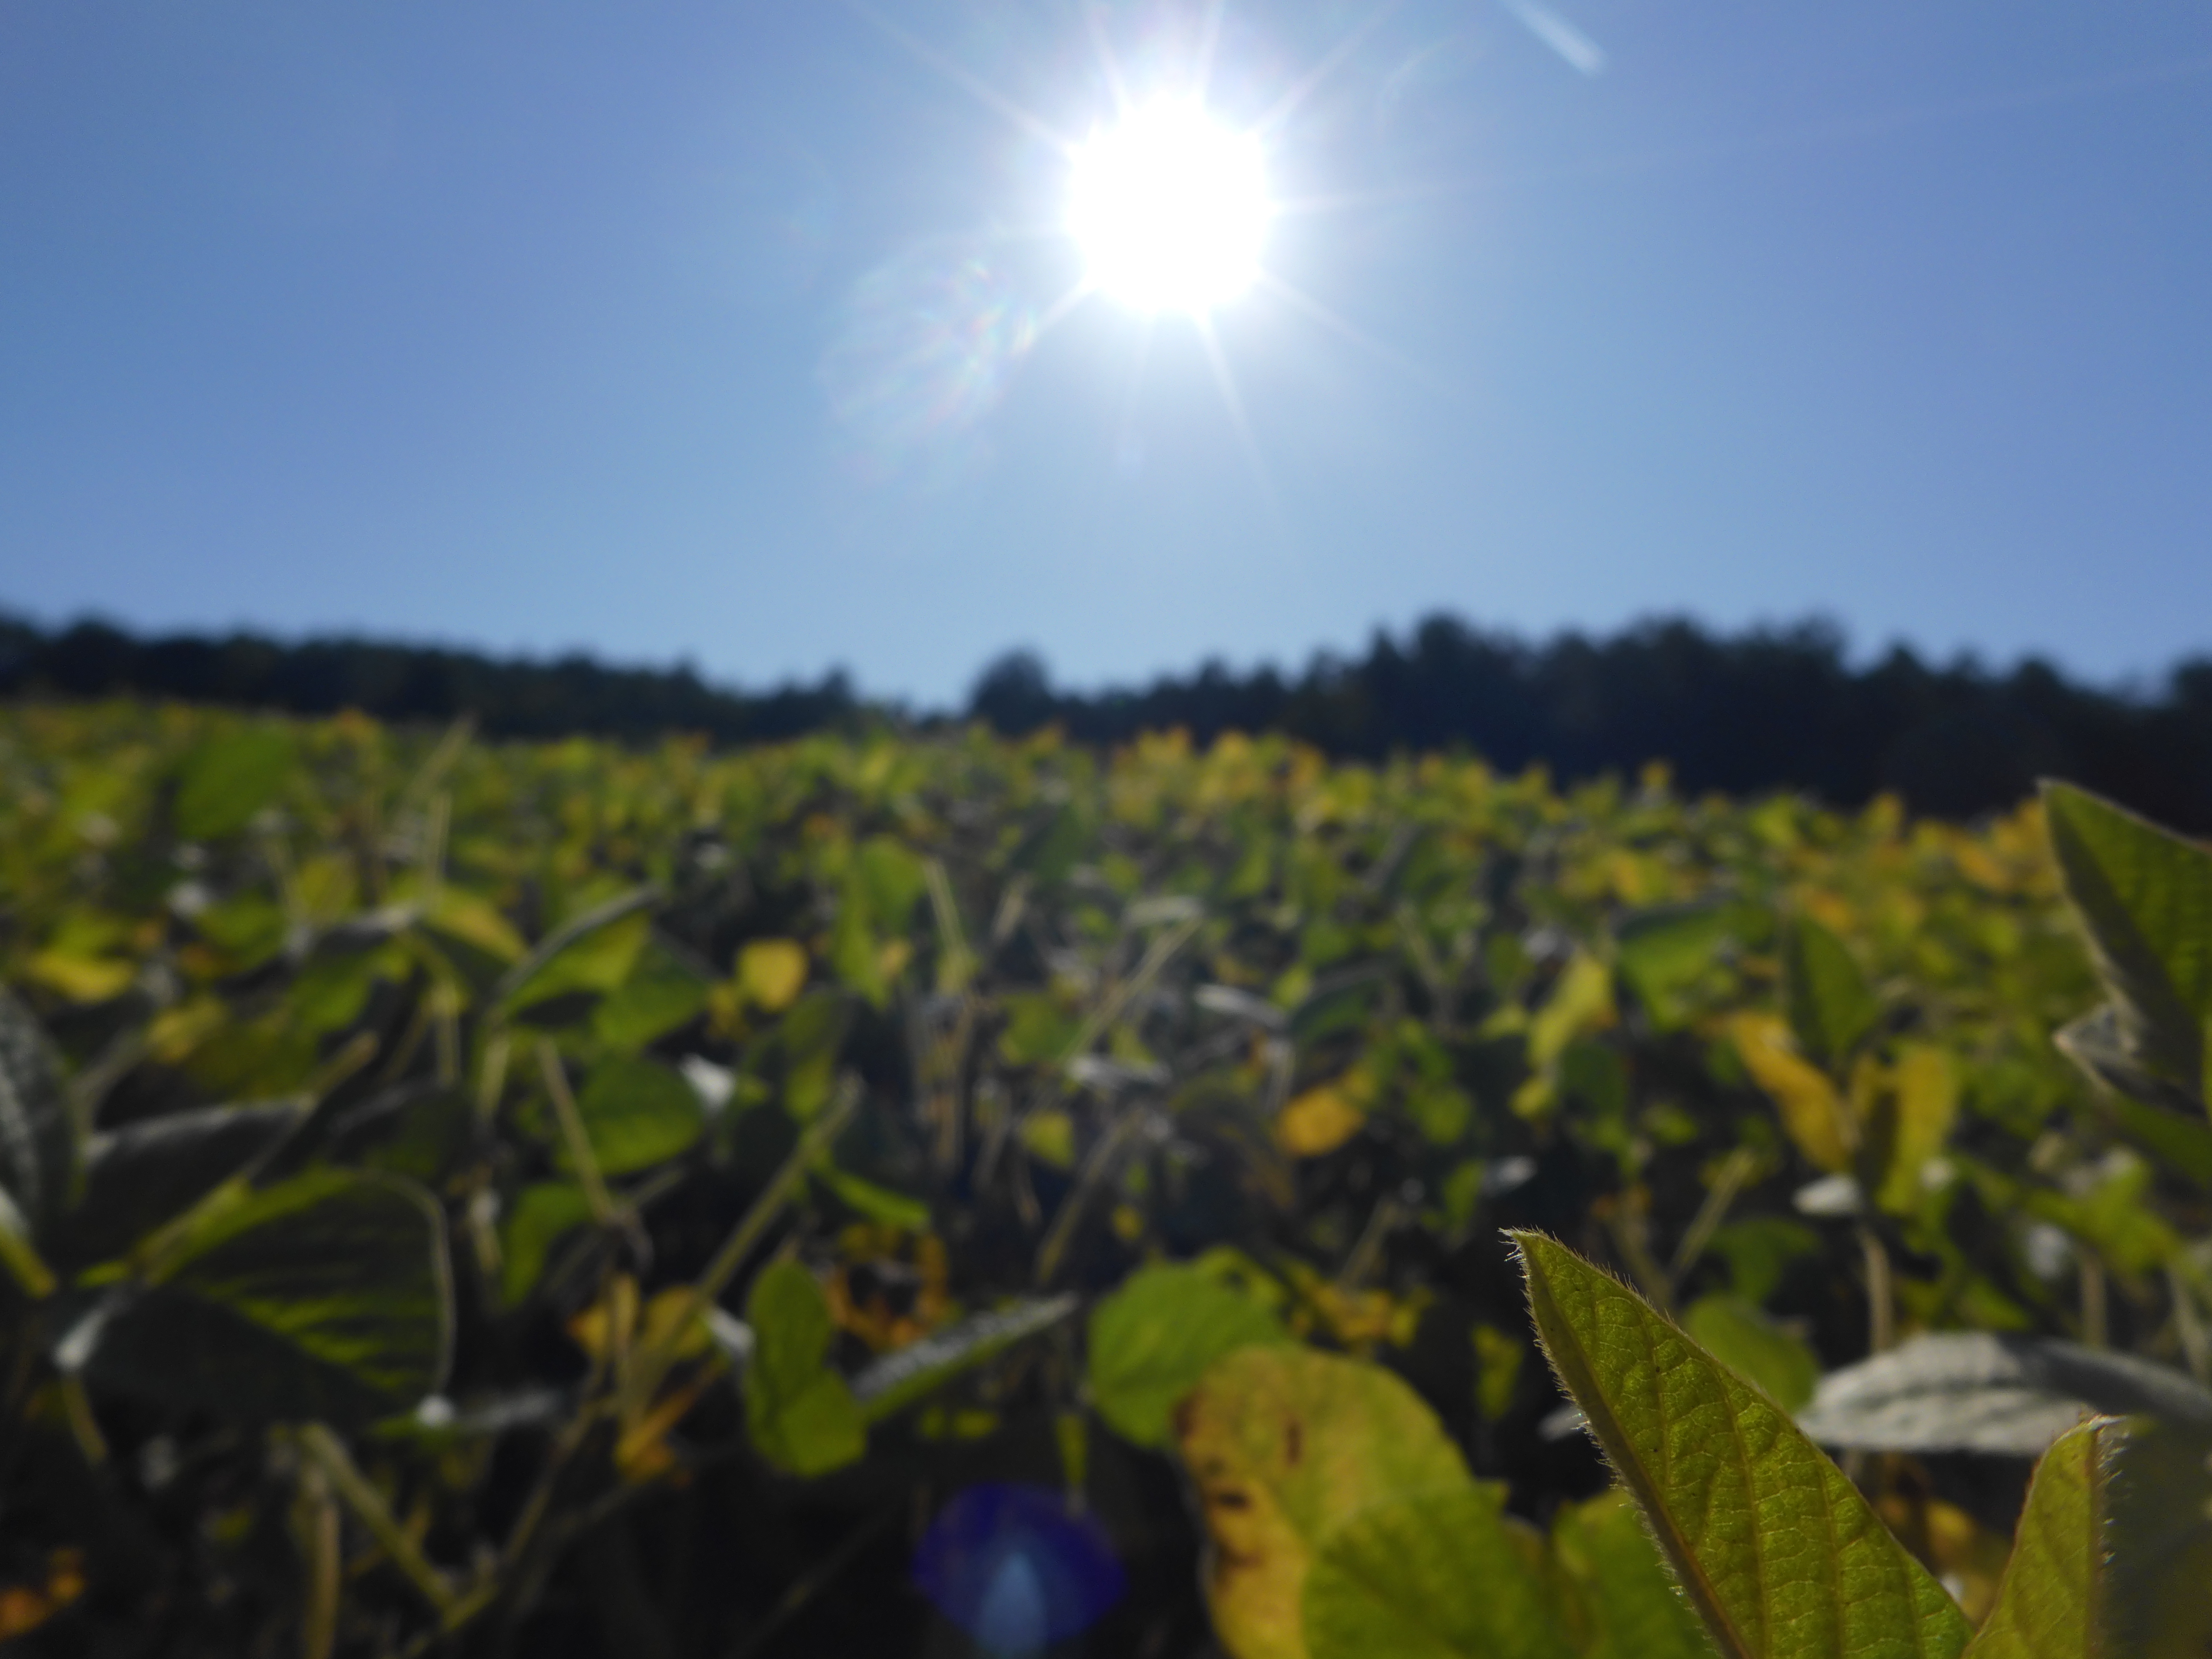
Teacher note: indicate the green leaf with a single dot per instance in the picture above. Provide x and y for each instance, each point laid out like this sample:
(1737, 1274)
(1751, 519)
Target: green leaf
(542, 1216)
(1662, 953)
(661, 993)
(803, 1418)
(227, 779)
(2144, 897)
(1153, 1338)
(325, 1297)
(893, 1209)
(1743, 1338)
(2050, 1603)
(1831, 1005)
(1437, 1576)
(637, 1112)
(920, 1369)
(1284, 1445)
(143, 1174)
(38, 1137)
(1781, 1557)
(1629, 1600)
(589, 955)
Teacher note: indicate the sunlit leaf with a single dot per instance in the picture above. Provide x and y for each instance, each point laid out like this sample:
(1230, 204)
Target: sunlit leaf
(1153, 1338)
(773, 972)
(1286, 1444)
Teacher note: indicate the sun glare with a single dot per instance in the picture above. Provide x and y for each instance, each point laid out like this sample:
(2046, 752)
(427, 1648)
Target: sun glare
(1169, 209)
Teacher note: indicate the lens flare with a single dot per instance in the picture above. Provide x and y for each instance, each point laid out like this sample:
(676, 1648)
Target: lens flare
(1169, 209)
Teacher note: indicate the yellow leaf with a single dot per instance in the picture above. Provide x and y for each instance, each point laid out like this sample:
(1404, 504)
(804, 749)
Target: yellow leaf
(1927, 1095)
(1050, 1136)
(773, 972)
(1285, 1443)
(82, 979)
(1812, 1110)
(1581, 1002)
(477, 922)
(1319, 1120)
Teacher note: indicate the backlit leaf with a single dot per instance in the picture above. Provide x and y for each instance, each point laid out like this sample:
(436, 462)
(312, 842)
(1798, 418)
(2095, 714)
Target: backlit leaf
(637, 1112)
(2144, 898)
(1812, 1110)
(2051, 1601)
(1781, 1557)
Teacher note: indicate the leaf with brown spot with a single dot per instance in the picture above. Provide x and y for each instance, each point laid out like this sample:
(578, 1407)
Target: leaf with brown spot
(1286, 1444)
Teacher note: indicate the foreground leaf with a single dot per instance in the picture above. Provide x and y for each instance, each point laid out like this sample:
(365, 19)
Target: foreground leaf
(1286, 1444)
(1436, 1575)
(1152, 1340)
(2144, 897)
(2049, 1605)
(325, 1297)
(144, 1174)
(1780, 1555)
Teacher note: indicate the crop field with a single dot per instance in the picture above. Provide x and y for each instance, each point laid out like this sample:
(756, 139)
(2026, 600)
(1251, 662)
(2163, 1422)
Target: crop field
(955, 1196)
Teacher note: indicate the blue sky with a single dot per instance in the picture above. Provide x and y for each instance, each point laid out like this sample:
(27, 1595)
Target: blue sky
(729, 330)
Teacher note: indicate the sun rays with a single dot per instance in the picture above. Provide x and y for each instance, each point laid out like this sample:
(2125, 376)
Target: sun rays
(1168, 203)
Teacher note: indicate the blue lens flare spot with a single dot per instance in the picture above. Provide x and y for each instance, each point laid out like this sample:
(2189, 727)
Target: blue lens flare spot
(1012, 1566)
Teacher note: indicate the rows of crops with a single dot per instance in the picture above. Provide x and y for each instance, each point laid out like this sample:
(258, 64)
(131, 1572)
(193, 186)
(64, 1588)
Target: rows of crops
(858, 1198)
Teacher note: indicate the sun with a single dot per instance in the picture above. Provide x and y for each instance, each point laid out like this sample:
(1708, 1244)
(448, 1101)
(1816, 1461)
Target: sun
(1169, 209)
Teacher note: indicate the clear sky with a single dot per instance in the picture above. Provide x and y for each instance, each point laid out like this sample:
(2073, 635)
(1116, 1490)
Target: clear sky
(742, 329)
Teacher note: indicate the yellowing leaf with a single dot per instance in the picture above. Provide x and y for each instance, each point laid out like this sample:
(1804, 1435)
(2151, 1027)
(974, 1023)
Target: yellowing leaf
(1925, 1086)
(1812, 1110)
(1286, 1444)
(82, 979)
(1780, 1555)
(1319, 1120)
(1581, 1002)
(773, 972)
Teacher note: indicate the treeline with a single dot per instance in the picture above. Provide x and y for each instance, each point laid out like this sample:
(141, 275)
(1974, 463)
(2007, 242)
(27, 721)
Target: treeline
(509, 698)
(1763, 710)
